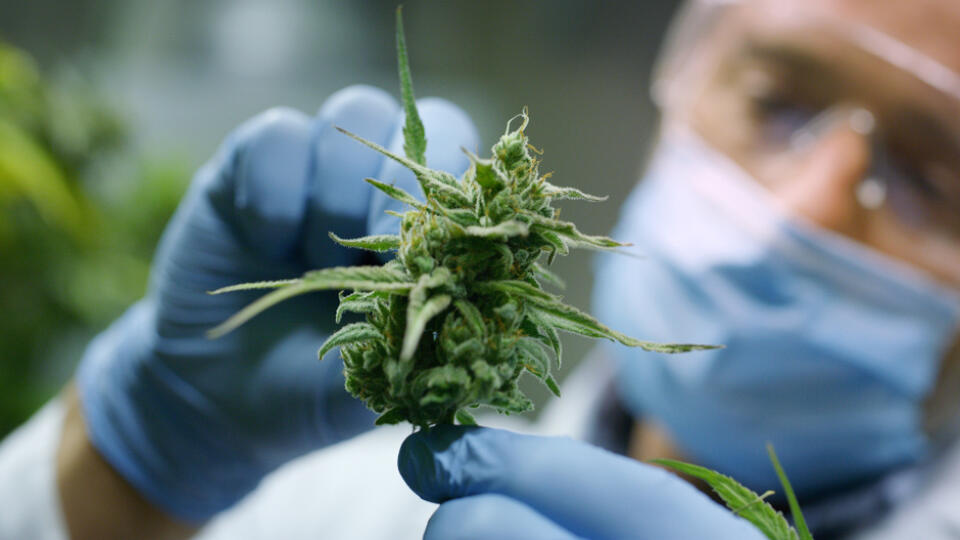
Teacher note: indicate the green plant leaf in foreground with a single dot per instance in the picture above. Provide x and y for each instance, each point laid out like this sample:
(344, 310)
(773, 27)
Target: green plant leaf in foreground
(741, 500)
(361, 278)
(377, 242)
(791, 496)
(414, 137)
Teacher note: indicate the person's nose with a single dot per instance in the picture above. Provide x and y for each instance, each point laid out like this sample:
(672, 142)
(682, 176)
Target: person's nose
(828, 167)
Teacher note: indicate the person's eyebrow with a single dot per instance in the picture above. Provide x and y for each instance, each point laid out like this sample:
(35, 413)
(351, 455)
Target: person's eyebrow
(929, 129)
(788, 56)
(805, 71)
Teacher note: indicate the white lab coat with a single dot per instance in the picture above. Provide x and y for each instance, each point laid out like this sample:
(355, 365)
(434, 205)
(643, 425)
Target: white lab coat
(354, 491)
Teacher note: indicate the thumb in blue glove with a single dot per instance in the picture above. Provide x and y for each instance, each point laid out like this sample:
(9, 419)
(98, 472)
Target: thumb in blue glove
(193, 423)
(498, 484)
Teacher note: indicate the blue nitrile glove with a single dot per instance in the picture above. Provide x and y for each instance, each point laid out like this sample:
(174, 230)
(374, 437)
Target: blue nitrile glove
(498, 484)
(194, 423)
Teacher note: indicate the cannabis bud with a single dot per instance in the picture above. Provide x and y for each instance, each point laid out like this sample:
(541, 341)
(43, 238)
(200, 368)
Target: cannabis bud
(455, 319)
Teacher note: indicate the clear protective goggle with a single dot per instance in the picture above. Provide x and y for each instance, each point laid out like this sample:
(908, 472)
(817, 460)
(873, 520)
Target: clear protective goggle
(914, 173)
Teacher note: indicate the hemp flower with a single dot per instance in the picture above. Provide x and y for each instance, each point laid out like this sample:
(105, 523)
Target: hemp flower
(459, 314)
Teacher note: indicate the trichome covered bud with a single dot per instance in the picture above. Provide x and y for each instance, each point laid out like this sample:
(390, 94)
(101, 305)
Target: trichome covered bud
(455, 319)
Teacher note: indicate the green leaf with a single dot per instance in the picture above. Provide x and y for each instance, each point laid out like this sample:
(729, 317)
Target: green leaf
(554, 339)
(552, 385)
(351, 333)
(367, 278)
(358, 302)
(569, 231)
(485, 174)
(557, 192)
(535, 359)
(548, 332)
(568, 318)
(557, 244)
(255, 285)
(263, 303)
(465, 217)
(414, 138)
(393, 416)
(395, 193)
(548, 276)
(791, 496)
(436, 385)
(471, 315)
(406, 162)
(361, 278)
(743, 501)
(432, 182)
(506, 229)
(520, 289)
(565, 324)
(376, 242)
(465, 418)
(418, 314)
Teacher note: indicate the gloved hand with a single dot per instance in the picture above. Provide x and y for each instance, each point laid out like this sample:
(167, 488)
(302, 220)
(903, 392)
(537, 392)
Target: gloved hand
(194, 423)
(498, 484)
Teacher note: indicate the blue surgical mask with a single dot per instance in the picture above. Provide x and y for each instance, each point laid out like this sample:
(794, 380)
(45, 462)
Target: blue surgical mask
(830, 347)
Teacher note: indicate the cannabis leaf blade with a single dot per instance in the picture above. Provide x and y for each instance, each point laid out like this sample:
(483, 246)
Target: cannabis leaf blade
(507, 229)
(263, 303)
(571, 319)
(738, 498)
(522, 289)
(414, 138)
(558, 192)
(472, 315)
(377, 242)
(570, 231)
(361, 278)
(358, 302)
(433, 183)
(791, 496)
(550, 311)
(395, 193)
(275, 284)
(548, 276)
(535, 358)
(417, 318)
(466, 418)
(366, 278)
(351, 333)
(393, 416)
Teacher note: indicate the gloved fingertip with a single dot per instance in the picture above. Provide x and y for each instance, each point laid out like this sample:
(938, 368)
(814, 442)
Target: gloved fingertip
(268, 179)
(358, 101)
(339, 197)
(416, 466)
(448, 129)
(425, 458)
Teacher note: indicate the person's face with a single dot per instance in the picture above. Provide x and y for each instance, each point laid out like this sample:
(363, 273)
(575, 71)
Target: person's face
(773, 66)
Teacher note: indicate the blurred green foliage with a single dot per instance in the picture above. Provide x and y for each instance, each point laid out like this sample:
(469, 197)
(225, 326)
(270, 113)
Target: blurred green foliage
(79, 218)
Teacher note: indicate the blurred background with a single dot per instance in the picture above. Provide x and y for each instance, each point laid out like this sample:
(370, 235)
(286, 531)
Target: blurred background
(107, 106)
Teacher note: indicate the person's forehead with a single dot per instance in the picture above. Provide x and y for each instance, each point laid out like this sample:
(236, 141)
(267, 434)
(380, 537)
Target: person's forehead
(931, 27)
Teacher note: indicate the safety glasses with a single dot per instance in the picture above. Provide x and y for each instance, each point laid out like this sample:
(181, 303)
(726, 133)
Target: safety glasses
(773, 77)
